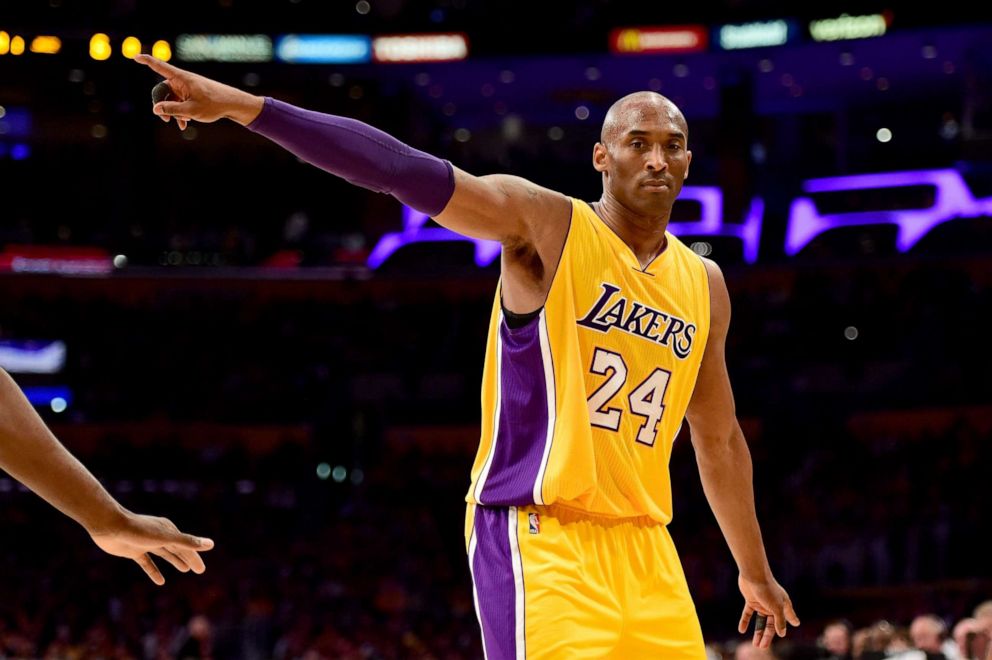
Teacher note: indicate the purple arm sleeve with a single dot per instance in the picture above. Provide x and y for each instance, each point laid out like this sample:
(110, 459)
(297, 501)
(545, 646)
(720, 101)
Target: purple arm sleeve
(359, 153)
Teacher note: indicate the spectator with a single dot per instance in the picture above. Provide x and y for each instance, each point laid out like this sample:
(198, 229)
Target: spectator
(971, 639)
(746, 651)
(928, 633)
(836, 640)
(198, 644)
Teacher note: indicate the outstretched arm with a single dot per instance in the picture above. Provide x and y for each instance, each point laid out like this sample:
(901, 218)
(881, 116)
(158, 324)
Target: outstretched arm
(497, 207)
(33, 456)
(725, 469)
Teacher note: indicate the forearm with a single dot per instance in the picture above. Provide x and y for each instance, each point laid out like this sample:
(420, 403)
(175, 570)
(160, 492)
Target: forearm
(359, 153)
(32, 455)
(726, 473)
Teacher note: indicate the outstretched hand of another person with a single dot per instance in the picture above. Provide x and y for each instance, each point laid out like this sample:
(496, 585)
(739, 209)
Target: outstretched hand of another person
(136, 536)
(196, 98)
(768, 602)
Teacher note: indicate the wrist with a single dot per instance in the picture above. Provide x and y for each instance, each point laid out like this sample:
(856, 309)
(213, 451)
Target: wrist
(245, 108)
(757, 575)
(111, 516)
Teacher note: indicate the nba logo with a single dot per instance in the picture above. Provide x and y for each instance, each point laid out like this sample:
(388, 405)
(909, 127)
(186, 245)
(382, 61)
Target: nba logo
(535, 523)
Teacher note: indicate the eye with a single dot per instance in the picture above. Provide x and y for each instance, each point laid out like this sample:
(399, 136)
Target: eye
(637, 144)
(675, 146)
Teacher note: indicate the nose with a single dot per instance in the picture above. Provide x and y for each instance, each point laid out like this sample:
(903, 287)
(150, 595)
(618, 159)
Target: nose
(655, 160)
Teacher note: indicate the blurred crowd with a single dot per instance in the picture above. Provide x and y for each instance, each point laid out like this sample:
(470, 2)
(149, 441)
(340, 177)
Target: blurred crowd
(370, 563)
(927, 637)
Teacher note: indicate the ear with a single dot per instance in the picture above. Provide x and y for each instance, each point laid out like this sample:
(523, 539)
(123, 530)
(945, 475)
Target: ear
(688, 162)
(599, 157)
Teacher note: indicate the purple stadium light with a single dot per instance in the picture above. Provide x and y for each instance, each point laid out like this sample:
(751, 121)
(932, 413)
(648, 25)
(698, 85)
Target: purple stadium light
(711, 223)
(415, 232)
(953, 200)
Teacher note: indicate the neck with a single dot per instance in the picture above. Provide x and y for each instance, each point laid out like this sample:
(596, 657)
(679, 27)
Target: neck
(643, 234)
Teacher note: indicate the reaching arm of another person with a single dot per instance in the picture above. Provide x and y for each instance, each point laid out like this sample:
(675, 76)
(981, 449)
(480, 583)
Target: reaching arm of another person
(725, 470)
(498, 207)
(30, 453)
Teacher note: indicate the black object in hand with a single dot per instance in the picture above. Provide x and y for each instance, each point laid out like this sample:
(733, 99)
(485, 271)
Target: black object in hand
(161, 92)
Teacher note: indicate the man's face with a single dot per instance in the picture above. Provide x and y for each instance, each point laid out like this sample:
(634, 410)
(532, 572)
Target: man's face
(925, 636)
(836, 640)
(644, 158)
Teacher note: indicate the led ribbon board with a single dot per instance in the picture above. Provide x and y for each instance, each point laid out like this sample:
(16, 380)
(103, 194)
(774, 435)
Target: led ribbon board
(32, 357)
(224, 48)
(420, 48)
(324, 49)
(646, 40)
(849, 27)
(759, 34)
(59, 259)
(57, 396)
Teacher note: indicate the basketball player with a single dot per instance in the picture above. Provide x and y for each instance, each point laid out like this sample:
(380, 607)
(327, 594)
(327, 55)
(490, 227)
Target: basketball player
(32, 455)
(606, 331)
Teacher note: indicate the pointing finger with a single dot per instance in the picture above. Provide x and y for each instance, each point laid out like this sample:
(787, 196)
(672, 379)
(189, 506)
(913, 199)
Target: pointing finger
(158, 66)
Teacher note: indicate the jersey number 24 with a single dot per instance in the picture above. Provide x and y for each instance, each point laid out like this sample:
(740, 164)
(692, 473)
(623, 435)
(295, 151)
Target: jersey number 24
(647, 400)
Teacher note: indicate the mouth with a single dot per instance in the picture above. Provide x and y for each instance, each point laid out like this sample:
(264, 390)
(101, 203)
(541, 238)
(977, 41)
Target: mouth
(655, 184)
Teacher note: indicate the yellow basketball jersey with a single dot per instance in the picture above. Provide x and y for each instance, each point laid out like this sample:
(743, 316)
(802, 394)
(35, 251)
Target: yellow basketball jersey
(581, 405)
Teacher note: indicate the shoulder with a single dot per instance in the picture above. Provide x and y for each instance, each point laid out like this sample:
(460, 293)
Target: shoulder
(519, 190)
(719, 296)
(713, 272)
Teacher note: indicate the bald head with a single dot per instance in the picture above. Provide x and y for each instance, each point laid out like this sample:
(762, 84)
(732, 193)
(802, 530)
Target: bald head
(631, 110)
(927, 632)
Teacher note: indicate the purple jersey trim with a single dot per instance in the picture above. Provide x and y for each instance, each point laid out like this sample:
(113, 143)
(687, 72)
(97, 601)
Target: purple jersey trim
(520, 441)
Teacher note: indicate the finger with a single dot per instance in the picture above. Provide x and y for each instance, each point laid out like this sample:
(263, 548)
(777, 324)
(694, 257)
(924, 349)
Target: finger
(149, 567)
(191, 557)
(198, 543)
(781, 626)
(172, 108)
(790, 613)
(768, 634)
(745, 619)
(158, 66)
(182, 123)
(760, 623)
(172, 558)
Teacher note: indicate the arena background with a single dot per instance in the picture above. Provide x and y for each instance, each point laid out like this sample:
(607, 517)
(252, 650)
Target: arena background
(291, 365)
